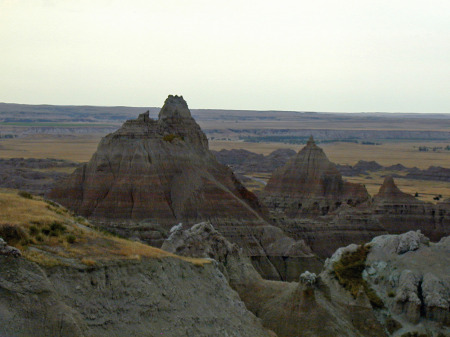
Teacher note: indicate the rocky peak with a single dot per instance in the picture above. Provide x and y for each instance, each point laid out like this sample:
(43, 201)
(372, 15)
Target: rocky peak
(145, 117)
(174, 124)
(174, 107)
(311, 184)
(389, 191)
(158, 171)
(389, 187)
(311, 142)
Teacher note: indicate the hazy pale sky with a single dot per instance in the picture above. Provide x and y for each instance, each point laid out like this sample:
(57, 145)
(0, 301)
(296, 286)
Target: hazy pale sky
(322, 55)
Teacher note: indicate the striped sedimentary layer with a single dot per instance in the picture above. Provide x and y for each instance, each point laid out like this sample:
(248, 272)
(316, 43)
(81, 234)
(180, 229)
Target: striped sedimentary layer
(160, 171)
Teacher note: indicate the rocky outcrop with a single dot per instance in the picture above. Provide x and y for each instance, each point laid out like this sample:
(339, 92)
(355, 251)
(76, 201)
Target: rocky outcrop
(36, 176)
(436, 173)
(160, 171)
(399, 212)
(310, 185)
(243, 161)
(274, 255)
(289, 309)
(8, 250)
(151, 297)
(406, 273)
(410, 274)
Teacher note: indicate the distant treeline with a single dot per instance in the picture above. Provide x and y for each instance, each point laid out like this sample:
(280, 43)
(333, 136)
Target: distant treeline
(434, 149)
(7, 136)
(300, 140)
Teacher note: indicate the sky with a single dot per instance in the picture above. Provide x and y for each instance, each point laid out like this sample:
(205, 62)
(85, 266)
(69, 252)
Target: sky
(322, 55)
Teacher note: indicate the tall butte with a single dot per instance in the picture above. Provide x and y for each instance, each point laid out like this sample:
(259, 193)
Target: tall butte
(153, 174)
(160, 171)
(310, 185)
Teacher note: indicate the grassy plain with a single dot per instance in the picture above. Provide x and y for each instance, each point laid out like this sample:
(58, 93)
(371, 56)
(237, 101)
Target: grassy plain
(74, 147)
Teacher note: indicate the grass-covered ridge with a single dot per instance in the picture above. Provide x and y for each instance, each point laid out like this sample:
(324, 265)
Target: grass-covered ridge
(349, 270)
(49, 234)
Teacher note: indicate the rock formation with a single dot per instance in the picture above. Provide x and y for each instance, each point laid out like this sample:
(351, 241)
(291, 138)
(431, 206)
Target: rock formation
(399, 212)
(8, 250)
(411, 276)
(283, 259)
(243, 161)
(150, 297)
(436, 173)
(310, 201)
(289, 309)
(310, 185)
(160, 171)
(153, 174)
(31, 174)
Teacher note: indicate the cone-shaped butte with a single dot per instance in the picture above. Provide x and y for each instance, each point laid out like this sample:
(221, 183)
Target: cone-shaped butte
(390, 192)
(309, 184)
(399, 212)
(160, 171)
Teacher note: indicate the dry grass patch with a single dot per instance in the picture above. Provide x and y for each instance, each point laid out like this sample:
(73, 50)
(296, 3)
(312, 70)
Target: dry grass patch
(27, 223)
(77, 148)
(41, 258)
(24, 212)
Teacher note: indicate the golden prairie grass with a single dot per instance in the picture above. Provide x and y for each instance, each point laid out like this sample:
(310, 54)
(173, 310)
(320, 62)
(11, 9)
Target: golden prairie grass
(41, 258)
(15, 209)
(76, 148)
(49, 227)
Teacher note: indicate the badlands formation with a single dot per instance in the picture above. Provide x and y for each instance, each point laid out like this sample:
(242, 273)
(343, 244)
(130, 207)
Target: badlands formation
(309, 184)
(308, 198)
(226, 256)
(153, 174)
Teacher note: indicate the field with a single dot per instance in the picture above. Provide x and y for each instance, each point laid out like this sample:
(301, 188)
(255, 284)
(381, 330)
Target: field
(73, 147)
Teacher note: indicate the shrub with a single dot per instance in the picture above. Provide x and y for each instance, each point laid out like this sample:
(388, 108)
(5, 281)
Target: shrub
(46, 231)
(391, 293)
(13, 234)
(39, 237)
(349, 270)
(171, 137)
(57, 227)
(33, 230)
(25, 195)
(71, 238)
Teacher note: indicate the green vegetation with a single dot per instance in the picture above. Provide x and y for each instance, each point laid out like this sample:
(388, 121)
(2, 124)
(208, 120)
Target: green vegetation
(391, 294)
(71, 238)
(349, 270)
(171, 137)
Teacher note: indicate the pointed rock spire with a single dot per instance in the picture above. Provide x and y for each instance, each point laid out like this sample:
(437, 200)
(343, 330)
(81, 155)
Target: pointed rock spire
(390, 191)
(174, 107)
(311, 141)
